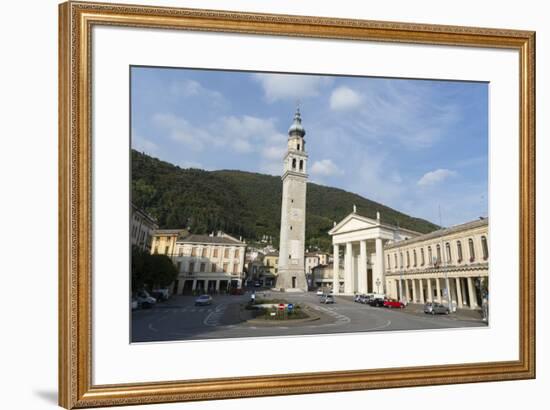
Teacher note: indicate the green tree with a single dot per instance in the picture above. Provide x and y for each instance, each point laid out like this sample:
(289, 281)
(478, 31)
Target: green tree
(151, 271)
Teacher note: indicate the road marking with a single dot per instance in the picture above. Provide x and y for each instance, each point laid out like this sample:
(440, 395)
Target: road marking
(214, 317)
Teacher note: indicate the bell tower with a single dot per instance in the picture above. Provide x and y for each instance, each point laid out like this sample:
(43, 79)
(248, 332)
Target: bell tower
(291, 271)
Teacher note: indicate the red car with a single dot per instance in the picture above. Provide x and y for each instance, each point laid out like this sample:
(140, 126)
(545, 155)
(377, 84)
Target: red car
(390, 303)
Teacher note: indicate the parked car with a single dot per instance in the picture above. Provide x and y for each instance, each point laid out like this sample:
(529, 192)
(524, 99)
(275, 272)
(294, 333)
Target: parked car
(320, 292)
(145, 300)
(392, 303)
(236, 291)
(376, 302)
(161, 295)
(357, 297)
(203, 300)
(364, 299)
(436, 309)
(327, 299)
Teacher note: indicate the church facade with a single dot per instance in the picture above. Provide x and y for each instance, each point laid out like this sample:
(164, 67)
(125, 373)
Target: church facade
(291, 268)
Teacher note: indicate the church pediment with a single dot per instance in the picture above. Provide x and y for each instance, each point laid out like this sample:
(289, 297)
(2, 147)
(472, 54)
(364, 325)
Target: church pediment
(353, 222)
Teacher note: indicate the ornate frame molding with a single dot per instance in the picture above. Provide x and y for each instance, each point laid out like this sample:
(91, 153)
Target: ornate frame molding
(75, 356)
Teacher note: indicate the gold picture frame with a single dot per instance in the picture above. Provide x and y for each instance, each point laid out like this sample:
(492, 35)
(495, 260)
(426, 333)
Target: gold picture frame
(76, 20)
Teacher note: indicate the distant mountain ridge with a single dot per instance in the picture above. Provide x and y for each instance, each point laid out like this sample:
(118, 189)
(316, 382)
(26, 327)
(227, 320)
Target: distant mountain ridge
(243, 203)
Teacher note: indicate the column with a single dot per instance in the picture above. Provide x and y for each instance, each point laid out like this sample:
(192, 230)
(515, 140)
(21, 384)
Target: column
(217, 285)
(362, 278)
(194, 284)
(378, 271)
(438, 290)
(430, 291)
(413, 283)
(421, 285)
(336, 269)
(471, 294)
(348, 271)
(401, 298)
(449, 293)
(407, 292)
(458, 293)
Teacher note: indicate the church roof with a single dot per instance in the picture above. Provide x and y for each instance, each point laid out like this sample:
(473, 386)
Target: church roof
(221, 240)
(296, 127)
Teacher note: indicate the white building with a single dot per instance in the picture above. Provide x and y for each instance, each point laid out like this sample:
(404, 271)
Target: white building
(142, 227)
(209, 262)
(450, 263)
(291, 272)
(313, 259)
(362, 241)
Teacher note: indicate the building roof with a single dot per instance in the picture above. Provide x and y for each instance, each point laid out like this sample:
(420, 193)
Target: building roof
(208, 239)
(297, 127)
(169, 231)
(440, 232)
(272, 254)
(144, 214)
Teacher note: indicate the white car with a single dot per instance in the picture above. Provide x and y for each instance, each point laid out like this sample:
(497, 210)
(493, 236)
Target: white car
(320, 292)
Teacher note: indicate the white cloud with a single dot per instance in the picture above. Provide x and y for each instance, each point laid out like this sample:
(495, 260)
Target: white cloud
(344, 98)
(325, 167)
(290, 86)
(435, 177)
(187, 88)
(142, 144)
(274, 152)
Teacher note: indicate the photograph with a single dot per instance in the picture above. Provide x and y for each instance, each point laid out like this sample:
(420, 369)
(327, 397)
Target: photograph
(271, 204)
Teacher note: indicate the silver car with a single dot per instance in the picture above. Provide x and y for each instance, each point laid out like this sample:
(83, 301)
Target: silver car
(436, 309)
(327, 299)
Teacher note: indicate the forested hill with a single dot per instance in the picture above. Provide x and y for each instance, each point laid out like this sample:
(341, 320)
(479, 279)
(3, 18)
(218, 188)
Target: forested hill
(244, 203)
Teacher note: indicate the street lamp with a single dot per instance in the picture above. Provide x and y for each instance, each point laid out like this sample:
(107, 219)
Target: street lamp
(378, 285)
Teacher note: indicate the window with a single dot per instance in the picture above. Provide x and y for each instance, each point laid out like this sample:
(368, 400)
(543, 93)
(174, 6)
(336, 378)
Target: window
(408, 260)
(421, 256)
(191, 267)
(448, 252)
(214, 267)
(389, 261)
(166, 249)
(438, 254)
(298, 147)
(180, 252)
(178, 266)
(301, 165)
(194, 251)
(226, 253)
(414, 257)
(395, 259)
(236, 253)
(459, 251)
(401, 259)
(484, 248)
(225, 265)
(215, 253)
(472, 251)
(204, 252)
(236, 268)
(156, 250)
(430, 256)
(293, 163)
(203, 267)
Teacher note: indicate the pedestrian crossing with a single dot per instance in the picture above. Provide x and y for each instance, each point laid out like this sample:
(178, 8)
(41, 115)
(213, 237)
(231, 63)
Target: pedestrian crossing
(215, 316)
(331, 311)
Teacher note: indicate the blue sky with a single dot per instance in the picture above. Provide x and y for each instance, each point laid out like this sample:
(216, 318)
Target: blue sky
(413, 145)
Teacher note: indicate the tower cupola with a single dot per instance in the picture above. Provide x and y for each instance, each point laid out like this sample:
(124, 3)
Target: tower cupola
(296, 129)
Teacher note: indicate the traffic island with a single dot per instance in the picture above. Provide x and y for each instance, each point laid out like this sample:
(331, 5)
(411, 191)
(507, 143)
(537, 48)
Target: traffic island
(278, 312)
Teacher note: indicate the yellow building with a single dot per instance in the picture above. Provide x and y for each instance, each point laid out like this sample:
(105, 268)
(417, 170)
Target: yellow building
(164, 241)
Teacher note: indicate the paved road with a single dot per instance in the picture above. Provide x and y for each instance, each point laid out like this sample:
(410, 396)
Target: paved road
(179, 319)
